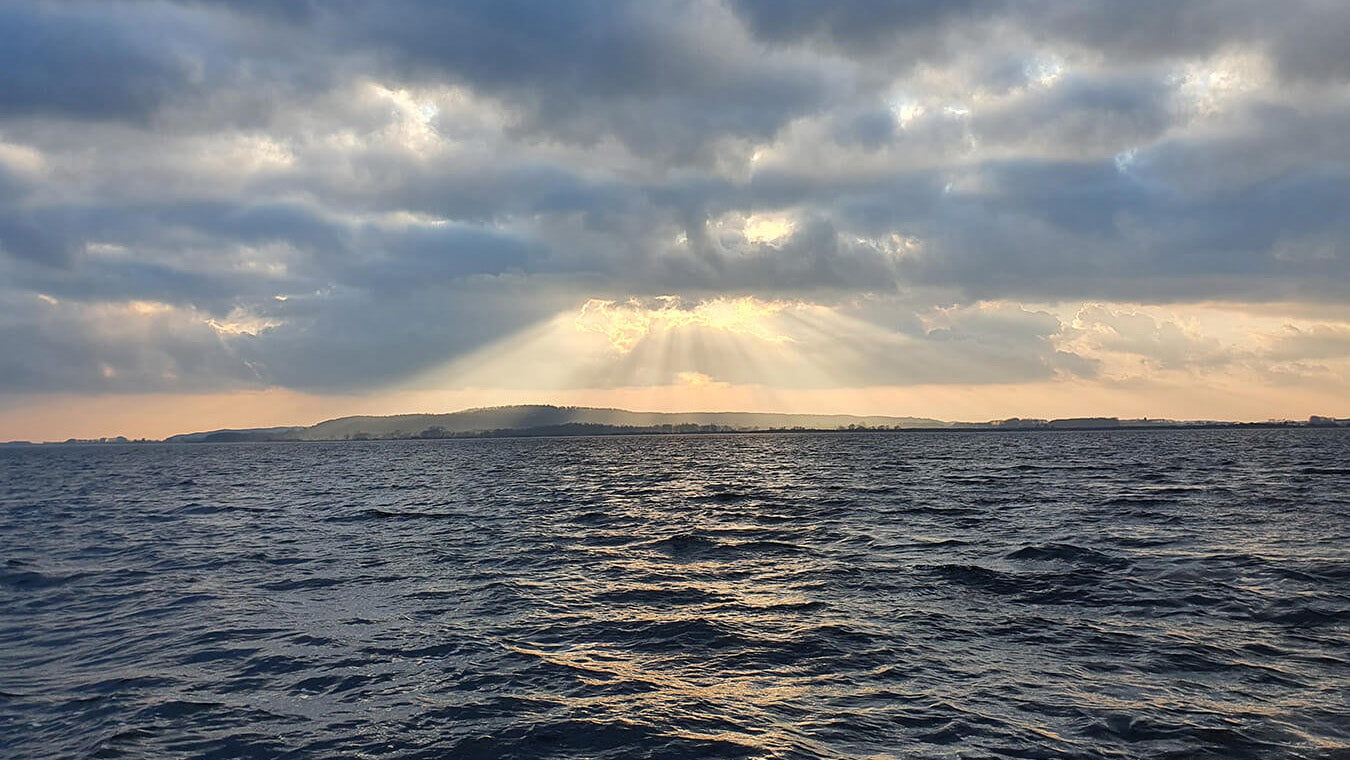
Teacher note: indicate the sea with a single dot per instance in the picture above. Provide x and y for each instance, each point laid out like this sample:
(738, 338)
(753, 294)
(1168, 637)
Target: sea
(1040, 594)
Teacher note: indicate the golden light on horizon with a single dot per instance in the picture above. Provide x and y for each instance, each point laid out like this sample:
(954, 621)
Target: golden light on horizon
(1210, 361)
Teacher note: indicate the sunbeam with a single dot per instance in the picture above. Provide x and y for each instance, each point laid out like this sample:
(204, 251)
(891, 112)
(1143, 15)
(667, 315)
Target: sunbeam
(665, 342)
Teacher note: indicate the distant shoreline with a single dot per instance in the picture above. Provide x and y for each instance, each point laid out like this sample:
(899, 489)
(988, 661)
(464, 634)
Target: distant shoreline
(589, 431)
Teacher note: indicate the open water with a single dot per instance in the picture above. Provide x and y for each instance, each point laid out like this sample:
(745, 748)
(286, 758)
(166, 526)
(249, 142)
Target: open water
(1146, 594)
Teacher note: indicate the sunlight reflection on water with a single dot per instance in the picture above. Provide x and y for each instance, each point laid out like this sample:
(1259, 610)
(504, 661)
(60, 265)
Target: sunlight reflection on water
(1095, 594)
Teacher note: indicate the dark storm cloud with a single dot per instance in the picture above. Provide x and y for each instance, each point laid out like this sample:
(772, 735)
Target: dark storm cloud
(662, 75)
(132, 280)
(652, 70)
(23, 238)
(349, 191)
(1044, 230)
(83, 63)
(385, 258)
(419, 255)
(870, 24)
(128, 60)
(1305, 38)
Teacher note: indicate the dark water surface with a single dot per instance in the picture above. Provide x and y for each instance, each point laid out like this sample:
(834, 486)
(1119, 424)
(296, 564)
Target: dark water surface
(1032, 595)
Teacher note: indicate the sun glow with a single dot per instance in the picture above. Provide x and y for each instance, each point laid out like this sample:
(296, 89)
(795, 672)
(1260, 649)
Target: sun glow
(987, 358)
(626, 324)
(768, 228)
(978, 361)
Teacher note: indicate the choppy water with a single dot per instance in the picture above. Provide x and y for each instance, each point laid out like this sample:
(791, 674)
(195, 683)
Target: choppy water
(1030, 595)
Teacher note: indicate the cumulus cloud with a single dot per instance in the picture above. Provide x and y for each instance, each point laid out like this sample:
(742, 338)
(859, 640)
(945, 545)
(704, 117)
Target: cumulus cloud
(340, 195)
(116, 347)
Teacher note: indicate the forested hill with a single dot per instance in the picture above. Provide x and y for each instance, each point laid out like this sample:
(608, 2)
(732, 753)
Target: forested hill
(552, 420)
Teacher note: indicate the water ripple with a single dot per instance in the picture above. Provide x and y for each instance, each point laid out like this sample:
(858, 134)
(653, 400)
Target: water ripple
(1128, 594)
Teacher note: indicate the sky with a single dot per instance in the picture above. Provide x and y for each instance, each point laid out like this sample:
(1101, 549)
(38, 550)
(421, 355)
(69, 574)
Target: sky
(238, 213)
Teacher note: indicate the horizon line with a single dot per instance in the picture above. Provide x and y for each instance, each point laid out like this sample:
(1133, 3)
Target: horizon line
(997, 423)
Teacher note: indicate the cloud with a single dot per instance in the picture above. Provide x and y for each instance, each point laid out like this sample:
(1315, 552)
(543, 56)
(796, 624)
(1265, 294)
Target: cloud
(379, 188)
(660, 76)
(1158, 343)
(134, 346)
(867, 24)
(1324, 341)
(87, 62)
